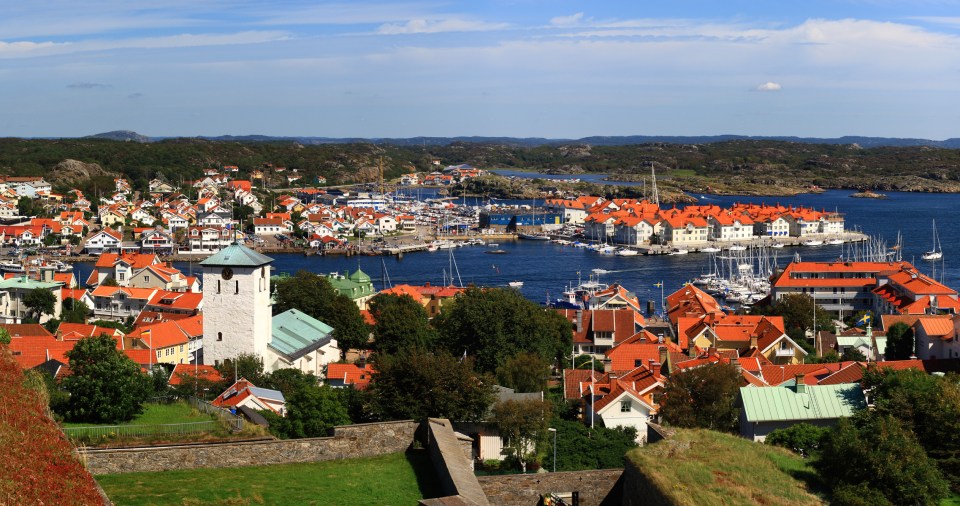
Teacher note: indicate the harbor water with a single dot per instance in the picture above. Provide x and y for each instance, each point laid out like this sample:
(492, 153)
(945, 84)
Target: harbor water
(546, 269)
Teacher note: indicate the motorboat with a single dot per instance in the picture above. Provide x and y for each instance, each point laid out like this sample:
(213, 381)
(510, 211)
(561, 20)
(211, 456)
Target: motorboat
(626, 252)
(515, 284)
(710, 249)
(812, 242)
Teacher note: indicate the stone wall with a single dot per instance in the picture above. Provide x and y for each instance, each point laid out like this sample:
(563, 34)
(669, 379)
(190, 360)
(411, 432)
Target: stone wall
(595, 487)
(453, 466)
(349, 441)
(638, 489)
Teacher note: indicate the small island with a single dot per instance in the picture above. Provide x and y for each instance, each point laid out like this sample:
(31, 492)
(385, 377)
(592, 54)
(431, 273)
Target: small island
(867, 194)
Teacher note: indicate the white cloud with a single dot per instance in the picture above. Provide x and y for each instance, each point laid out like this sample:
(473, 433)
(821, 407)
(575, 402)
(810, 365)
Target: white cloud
(28, 49)
(769, 86)
(438, 26)
(571, 20)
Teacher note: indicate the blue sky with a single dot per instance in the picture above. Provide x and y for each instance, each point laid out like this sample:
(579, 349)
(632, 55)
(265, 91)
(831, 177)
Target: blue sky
(539, 68)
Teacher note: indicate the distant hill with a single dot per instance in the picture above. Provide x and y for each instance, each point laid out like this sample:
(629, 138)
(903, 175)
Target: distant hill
(120, 135)
(623, 140)
(705, 467)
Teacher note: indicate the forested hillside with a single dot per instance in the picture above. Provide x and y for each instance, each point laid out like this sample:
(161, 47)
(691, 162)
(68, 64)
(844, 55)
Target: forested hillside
(722, 166)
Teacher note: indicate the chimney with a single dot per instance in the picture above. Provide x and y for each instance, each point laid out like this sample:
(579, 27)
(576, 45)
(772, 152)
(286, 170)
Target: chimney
(655, 367)
(579, 327)
(801, 386)
(753, 341)
(663, 354)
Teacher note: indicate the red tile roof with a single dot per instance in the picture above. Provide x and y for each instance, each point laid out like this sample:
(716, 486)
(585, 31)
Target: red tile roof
(350, 374)
(187, 372)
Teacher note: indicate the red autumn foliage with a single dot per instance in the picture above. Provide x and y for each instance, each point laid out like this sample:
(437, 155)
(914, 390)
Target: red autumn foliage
(38, 464)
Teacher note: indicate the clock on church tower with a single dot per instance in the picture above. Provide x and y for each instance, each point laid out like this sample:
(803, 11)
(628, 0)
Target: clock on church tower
(236, 304)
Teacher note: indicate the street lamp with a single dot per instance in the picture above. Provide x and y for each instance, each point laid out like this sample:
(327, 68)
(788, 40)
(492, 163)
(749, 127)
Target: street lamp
(554, 431)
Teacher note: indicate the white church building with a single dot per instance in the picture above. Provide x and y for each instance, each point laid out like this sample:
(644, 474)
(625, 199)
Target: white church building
(238, 318)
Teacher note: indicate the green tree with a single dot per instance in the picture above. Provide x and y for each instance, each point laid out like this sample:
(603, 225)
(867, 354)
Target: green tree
(588, 362)
(523, 424)
(159, 378)
(704, 397)
(312, 409)
(402, 324)
(876, 452)
(853, 354)
(419, 384)
(246, 365)
(829, 357)
(491, 324)
(580, 447)
(797, 311)
(349, 328)
(74, 311)
(25, 207)
(4, 336)
(40, 302)
(928, 406)
(524, 372)
(802, 438)
(313, 295)
(289, 380)
(105, 385)
(900, 342)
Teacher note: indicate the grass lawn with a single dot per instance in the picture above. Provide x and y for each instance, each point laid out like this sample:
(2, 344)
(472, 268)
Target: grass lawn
(953, 500)
(153, 413)
(151, 426)
(398, 478)
(704, 467)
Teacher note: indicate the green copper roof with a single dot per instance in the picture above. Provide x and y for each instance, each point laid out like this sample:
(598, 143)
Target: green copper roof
(355, 286)
(360, 276)
(813, 402)
(295, 333)
(27, 284)
(236, 255)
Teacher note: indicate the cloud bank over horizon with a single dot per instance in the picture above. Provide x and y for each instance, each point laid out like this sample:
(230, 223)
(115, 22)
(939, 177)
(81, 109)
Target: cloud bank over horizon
(211, 67)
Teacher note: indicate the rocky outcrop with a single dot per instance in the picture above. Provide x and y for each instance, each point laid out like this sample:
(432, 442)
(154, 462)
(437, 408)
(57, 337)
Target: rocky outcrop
(74, 171)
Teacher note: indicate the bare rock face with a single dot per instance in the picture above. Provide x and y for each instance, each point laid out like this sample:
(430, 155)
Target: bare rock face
(74, 171)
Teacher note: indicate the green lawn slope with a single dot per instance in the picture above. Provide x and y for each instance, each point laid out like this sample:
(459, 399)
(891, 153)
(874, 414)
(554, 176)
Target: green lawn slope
(701, 467)
(394, 479)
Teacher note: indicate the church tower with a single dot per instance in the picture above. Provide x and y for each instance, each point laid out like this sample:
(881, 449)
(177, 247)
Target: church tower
(236, 304)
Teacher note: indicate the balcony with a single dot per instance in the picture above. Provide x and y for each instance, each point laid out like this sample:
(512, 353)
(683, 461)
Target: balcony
(785, 352)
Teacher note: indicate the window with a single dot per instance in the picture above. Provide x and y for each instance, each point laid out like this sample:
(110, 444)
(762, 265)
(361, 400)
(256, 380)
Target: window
(219, 336)
(146, 278)
(218, 286)
(624, 406)
(238, 286)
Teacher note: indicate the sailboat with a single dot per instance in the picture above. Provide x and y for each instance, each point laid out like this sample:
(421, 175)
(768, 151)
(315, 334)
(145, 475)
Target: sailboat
(936, 253)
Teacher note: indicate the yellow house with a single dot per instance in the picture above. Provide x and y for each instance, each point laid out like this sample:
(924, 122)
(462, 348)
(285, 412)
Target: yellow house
(171, 342)
(112, 218)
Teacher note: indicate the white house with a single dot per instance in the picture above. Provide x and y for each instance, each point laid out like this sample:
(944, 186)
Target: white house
(105, 240)
(624, 407)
